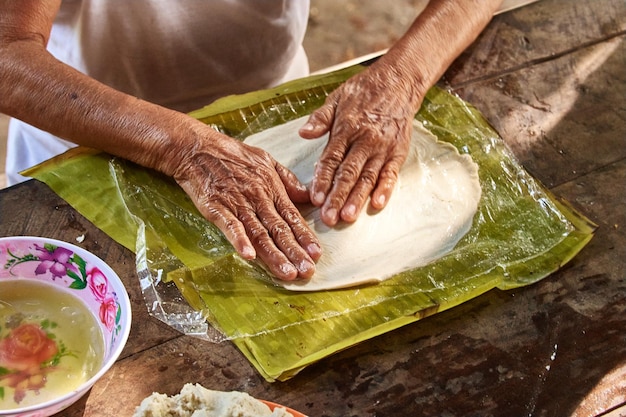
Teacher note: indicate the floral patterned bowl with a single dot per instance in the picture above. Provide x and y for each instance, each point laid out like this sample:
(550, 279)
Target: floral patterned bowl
(31, 350)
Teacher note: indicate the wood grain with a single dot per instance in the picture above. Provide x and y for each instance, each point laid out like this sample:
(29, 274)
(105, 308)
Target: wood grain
(551, 78)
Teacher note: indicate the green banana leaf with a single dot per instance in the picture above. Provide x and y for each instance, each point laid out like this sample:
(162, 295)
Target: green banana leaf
(190, 275)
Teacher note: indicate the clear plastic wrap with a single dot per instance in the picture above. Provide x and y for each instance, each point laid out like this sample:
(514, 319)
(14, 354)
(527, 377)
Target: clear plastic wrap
(192, 279)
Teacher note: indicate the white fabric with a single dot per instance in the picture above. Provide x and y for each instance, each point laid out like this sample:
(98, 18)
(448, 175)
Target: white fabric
(179, 54)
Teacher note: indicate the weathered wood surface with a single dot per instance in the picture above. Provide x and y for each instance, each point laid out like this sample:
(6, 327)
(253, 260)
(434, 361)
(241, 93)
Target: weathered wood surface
(551, 78)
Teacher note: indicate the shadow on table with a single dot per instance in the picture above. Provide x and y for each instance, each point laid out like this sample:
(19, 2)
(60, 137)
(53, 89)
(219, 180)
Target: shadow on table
(556, 348)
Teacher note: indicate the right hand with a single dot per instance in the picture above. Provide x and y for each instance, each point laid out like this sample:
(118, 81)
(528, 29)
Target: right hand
(249, 197)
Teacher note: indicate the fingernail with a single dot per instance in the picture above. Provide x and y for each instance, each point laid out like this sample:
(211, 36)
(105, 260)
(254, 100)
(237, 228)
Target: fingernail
(318, 198)
(381, 199)
(314, 250)
(248, 252)
(332, 214)
(307, 126)
(306, 266)
(349, 210)
(288, 270)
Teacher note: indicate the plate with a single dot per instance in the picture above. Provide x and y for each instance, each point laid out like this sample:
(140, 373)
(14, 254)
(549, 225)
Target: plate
(273, 405)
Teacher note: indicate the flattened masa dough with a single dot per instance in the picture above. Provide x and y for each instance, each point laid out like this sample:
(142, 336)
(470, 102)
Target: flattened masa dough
(430, 210)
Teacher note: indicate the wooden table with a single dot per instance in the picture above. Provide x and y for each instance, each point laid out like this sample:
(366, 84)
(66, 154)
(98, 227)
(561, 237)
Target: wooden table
(551, 78)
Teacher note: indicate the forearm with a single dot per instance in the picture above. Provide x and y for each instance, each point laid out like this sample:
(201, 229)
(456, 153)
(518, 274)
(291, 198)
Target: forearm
(438, 36)
(48, 94)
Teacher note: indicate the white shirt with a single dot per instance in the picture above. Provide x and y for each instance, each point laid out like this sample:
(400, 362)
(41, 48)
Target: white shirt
(179, 54)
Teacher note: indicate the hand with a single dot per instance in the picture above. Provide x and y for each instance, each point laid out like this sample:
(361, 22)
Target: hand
(369, 118)
(248, 196)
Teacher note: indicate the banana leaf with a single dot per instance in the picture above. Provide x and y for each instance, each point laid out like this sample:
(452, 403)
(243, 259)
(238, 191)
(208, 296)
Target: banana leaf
(193, 280)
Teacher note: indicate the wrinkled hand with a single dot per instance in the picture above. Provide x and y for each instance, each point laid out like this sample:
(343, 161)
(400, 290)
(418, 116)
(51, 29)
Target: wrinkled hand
(248, 196)
(369, 120)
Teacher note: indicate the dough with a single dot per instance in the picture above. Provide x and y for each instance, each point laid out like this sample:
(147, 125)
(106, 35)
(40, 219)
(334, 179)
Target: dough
(430, 210)
(196, 401)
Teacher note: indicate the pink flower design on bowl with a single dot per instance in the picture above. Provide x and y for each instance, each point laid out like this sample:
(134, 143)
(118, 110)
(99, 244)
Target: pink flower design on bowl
(29, 351)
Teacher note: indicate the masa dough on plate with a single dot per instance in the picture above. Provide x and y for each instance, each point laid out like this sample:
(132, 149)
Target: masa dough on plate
(196, 401)
(430, 210)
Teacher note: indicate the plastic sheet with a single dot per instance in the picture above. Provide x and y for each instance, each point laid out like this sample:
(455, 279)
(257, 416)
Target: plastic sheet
(192, 279)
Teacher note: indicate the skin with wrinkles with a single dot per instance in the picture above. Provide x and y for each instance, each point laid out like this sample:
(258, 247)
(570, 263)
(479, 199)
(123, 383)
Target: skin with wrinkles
(243, 190)
(433, 207)
(367, 150)
(369, 116)
(230, 199)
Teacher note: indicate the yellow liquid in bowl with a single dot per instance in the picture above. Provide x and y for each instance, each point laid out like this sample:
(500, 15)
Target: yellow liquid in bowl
(50, 343)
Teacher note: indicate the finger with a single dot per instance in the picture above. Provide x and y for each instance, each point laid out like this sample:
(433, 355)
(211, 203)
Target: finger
(320, 121)
(362, 189)
(266, 249)
(231, 227)
(303, 234)
(299, 194)
(387, 180)
(296, 191)
(325, 171)
(282, 246)
(223, 218)
(345, 179)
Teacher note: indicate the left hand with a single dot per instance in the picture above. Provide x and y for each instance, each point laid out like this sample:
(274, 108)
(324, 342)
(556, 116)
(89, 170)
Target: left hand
(369, 118)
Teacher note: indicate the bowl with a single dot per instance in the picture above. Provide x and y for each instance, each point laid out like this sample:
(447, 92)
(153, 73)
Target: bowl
(65, 317)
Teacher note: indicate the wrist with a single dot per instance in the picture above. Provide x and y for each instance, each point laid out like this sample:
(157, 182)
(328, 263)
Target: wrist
(183, 137)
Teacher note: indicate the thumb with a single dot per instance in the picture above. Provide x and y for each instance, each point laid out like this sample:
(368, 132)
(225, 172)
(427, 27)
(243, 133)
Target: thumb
(296, 191)
(320, 121)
